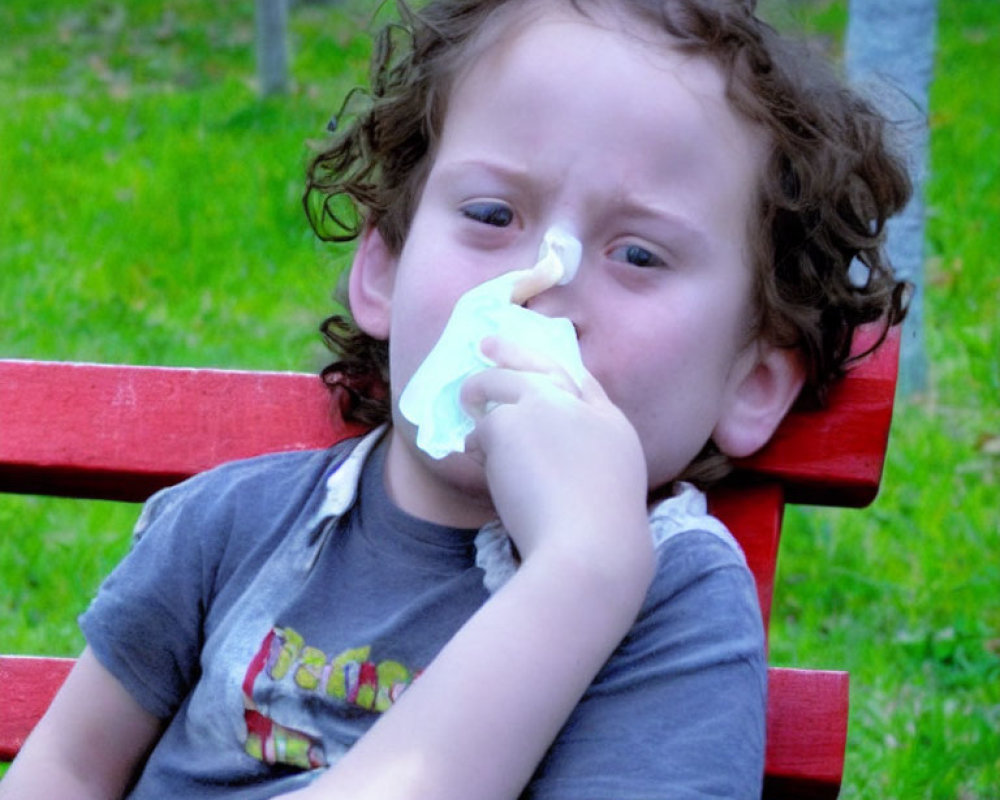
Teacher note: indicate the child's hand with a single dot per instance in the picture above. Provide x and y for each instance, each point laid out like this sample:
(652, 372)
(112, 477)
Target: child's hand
(565, 467)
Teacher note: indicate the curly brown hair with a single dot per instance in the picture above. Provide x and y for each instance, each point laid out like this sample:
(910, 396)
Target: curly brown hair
(830, 183)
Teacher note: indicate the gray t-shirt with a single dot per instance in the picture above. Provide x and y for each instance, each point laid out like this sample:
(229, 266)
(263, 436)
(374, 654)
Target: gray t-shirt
(272, 608)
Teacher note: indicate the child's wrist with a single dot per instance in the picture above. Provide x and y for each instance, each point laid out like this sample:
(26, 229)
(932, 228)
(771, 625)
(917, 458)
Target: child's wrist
(620, 573)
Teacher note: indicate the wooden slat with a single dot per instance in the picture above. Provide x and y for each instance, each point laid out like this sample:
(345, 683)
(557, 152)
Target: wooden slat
(121, 432)
(806, 721)
(753, 515)
(27, 686)
(835, 456)
(806, 733)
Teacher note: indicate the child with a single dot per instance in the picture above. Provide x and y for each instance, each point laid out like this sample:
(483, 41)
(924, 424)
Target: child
(346, 623)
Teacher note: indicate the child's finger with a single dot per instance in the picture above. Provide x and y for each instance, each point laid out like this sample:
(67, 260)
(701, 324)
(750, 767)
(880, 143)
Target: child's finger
(508, 355)
(484, 391)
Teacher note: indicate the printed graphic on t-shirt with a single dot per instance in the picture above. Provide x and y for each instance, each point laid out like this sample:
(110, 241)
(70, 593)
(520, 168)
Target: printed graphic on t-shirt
(350, 676)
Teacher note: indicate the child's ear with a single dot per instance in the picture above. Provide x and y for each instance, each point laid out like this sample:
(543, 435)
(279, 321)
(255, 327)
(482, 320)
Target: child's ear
(763, 388)
(370, 284)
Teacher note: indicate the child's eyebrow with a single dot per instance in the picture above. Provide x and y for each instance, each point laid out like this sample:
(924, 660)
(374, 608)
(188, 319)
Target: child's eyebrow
(504, 171)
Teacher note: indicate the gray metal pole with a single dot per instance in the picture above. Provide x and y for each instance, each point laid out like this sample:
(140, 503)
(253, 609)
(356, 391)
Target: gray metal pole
(272, 49)
(890, 57)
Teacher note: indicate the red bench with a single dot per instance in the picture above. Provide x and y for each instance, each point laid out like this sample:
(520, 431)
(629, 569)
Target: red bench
(121, 432)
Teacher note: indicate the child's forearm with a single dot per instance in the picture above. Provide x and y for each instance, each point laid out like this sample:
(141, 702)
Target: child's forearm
(567, 476)
(482, 715)
(88, 744)
(22, 783)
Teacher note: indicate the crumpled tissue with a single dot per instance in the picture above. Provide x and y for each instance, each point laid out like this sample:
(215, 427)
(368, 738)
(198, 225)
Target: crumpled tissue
(431, 398)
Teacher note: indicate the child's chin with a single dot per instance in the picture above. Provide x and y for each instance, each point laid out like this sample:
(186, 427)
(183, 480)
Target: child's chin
(465, 470)
(462, 476)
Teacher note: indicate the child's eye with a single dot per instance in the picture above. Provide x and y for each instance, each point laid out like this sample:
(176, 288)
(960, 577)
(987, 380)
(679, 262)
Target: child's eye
(637, 256)
(489, 212)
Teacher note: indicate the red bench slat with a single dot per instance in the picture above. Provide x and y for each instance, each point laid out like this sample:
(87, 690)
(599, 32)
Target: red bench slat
(753, 515)
(806, 727)
(806, 733)
(835, 456)
(28, 685)
(121, 432)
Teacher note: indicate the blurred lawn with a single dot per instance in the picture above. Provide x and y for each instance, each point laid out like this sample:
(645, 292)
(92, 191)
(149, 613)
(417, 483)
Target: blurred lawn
(149, 213)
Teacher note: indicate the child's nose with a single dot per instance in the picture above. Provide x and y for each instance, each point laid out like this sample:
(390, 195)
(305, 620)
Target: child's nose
(558, 259)
(558, 300)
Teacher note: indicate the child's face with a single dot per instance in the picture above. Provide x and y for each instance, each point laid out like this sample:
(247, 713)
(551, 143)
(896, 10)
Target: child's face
(633, 148)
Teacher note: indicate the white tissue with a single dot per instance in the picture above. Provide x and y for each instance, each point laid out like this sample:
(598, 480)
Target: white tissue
(563, 251)
(431, 398)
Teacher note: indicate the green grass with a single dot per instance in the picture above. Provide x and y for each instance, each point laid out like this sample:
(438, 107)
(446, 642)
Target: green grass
(149, 213)
(904, 594)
